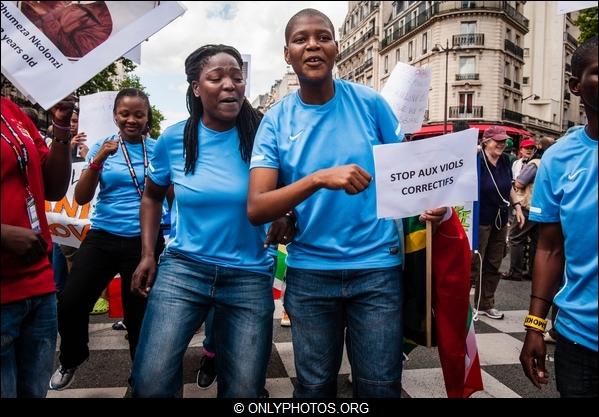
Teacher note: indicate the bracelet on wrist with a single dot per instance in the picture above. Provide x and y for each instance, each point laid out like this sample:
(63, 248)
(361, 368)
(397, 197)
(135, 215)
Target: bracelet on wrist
(94, 166)
(62, 141)
(534, 322)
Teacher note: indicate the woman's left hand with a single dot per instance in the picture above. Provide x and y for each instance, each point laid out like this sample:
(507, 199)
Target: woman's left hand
(520, 216)
(280, 231)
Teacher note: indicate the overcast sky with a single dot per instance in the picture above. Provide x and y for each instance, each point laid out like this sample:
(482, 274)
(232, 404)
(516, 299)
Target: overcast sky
(254, 28)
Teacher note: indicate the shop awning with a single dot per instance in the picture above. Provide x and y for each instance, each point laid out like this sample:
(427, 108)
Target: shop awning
(436, 130)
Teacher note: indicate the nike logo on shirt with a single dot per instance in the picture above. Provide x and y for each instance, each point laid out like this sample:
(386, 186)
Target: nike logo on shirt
(575, 174)
(293, 138)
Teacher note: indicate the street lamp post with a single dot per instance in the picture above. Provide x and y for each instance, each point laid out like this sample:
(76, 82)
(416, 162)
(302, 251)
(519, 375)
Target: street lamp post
(447, 49)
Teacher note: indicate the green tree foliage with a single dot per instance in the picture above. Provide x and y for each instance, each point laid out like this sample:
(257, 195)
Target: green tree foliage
(105, 81)
(587, 23)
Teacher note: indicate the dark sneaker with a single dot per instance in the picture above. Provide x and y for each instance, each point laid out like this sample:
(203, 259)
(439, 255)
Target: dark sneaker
(119, 325)
(62, 378)
(264, 394)
(207, 373)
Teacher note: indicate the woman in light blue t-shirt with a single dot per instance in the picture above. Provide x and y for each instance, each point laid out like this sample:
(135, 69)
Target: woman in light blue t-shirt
(118, 164)
(217, 259)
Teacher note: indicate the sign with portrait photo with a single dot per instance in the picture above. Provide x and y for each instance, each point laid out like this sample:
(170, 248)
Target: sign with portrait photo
(51, 48)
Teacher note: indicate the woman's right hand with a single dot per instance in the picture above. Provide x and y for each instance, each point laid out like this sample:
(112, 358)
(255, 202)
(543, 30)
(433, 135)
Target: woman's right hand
(143, 277)
(352, 178)
(78, 140)
(108, 148)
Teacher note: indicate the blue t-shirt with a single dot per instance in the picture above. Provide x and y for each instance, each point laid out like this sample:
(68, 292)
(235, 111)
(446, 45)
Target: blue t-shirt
(336, 230)
(566, 192)
(211, 224)
(117, 205)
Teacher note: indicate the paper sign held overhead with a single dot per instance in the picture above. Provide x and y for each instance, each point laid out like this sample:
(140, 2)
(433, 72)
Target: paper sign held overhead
(96, 116)
(412, 177)
(406, 91)
(49, 49)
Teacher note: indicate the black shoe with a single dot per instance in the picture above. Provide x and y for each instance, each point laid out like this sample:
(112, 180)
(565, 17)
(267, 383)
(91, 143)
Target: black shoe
(265, 393)
(510, 277)
(207, 373)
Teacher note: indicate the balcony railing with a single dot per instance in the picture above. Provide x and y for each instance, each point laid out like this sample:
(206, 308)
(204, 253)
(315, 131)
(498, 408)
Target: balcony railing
(507, 81)
(511, 12)
(567, 95)
(569, 68)
(514, 49)
(461, 112)
(571, 39)
(410, 25)
(469, 39)
(512, 116)
(516, 85)
(357, 45)
(464, 77)
(514, 14)
(367, 64)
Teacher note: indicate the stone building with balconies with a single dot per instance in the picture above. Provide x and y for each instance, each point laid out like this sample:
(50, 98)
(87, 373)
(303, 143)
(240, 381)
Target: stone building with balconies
(549, 108)
(358, 58)
(481, 41)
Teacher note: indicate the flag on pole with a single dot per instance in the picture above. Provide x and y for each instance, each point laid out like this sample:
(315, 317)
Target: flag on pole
(453, 331)
(278, 285)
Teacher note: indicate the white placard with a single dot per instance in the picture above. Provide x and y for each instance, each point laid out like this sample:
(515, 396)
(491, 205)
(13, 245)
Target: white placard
(68, 221)
(99, 33)
(564, 7)
(96, 117)
(412, 177)
(406, 91)
(134, 55)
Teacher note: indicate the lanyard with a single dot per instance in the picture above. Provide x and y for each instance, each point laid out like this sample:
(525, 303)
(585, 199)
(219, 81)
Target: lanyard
(23, 156)
(130, 165)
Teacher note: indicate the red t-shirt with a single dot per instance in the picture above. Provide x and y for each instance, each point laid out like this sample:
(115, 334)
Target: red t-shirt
(18, 280)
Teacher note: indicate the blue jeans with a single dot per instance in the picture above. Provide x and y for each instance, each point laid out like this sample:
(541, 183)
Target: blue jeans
(368, 302)
(575, 369)
(182, 295)
(209, 332)
(29, 332)
(59, 265)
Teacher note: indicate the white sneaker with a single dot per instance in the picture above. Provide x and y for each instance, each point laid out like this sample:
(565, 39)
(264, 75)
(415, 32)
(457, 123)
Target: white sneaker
(285, 322)
(492, 313)
(62, 378)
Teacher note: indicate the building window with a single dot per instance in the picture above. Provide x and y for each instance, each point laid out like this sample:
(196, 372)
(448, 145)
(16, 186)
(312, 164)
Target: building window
(466, 65)
(398, 55)
(506, 71)
(386, 64)
(518, 40)
(424, 42)
(516, 74)
(399, 6)
(525, 80)
(468, 27)
(468, 4)
(508, 34)
(369, 53)
(466, 103)
(410, 51)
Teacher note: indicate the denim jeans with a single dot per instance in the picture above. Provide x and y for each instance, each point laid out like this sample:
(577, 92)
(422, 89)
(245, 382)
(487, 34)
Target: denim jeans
(28, 345)
(575, 369)
(182, 295)
(59, 265)
(101, 256)
(209, 332)
(321, 304)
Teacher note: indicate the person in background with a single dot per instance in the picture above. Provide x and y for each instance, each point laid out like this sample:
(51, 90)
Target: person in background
(118, 164)
(519, 237)
(30, 174)
(564, 203)
(495, 195)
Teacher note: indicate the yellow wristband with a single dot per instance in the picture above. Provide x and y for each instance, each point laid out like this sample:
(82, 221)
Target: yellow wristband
(535, 322)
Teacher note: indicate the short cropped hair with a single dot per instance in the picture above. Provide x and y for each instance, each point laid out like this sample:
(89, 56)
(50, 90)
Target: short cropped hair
(309, 13)
(582, 54)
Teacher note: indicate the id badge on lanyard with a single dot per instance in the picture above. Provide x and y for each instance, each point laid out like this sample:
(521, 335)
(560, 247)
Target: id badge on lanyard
(32, 213)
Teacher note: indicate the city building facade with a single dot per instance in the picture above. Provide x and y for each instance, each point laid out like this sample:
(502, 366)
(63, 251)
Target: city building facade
(478, 52)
